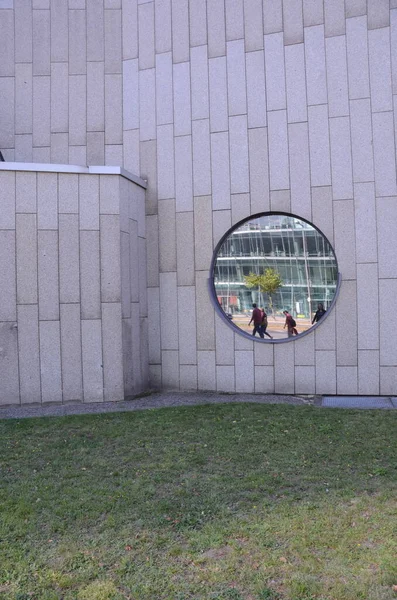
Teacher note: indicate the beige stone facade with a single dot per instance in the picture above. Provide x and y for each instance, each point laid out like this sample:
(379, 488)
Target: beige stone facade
(227, 108)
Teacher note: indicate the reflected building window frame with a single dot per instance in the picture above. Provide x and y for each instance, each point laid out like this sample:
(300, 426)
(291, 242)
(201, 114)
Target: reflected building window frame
(279, 256)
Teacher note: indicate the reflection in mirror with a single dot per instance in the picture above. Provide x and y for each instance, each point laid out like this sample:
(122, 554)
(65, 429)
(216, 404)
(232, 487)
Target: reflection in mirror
(275, 276)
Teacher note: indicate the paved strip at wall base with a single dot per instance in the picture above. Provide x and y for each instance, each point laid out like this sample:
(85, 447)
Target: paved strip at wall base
(359, 402)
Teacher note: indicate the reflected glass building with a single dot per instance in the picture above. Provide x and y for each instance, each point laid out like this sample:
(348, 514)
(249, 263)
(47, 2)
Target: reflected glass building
(299, 252)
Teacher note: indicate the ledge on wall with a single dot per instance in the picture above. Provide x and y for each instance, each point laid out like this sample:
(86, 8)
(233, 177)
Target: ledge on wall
(54, 168)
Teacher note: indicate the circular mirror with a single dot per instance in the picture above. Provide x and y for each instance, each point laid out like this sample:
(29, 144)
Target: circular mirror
(274, 276)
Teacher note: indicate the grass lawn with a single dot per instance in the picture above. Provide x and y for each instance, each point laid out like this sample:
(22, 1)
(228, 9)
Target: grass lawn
(225, 502)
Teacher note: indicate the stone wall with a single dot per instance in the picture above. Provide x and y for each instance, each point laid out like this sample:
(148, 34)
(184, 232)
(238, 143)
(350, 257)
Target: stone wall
(73, 306)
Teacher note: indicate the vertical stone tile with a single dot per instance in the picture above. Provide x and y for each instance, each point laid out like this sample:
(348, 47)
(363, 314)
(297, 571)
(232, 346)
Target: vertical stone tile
(91, 339)
(341, 165)
(165, 162)
(325, 336)
(325, 372)
(264, 380)
(7, 275)
(149, 172)
(168, 311)
(245, 376)
(278, 150)
(110, 258)
(206, 370)
(365, 221)
(155, 377)
(59, 148)
(131, 152)
(361, 135)
(77, 110)
(346, 325)
(221, 223)
(7, 113)
(220, 169)
(47, 200)
(253, 25)
(183, 173)
(202, 233)
(162, 21)
(284, 368)
(180, 30)
(256, 91)
(319, 146)
(275, 71)
(334, 13)
(170, 369)
(305, 380)
(384, 154)
(9, 392)
(315, 65)
(243, 343)
(112, 352)
(72, 368)
(23, 31)
(388, 380)
(368, 372)
(89, 201)
(50, 361)
(147, 104)
(280, 201)
(7, 200)
(185, 248)
(69, 271)
(201, 158)
(357, 57)
(167, 235)
(96, 148)
(26, 192)
(152, 244)
(380, 69)
(125, 275)
(8, 43)
(240, 207)
(198, 22)
(238, 136)
(259, 170)
(41, 42)
(272, 16)
(77, 155)
(216, 28)
(204, 313)
(347, 380)
(24, 148)
(154, 333)
(338, 91)
(293, 21)
(90, 275)
(298, 139)
(130, 94)
(109, 195)
(224, 343)
(218, 94)
(386, 219)
(295, 83)
(164, 99)
(96, 30)
(188, 377)
(236, 80)
(142, 277)
(304, 351)
(234, 19)
(313, 12)
(59, 31)
(393, 42)
(388, 329)
(146, 35)
(59, 98)
(26, 258)
(378, 14)
(182, 99)
(264, 354)
(345, 238)
(367, 307)
(199, 82)
(41, 155)
(225, 379)
(48, 275)
(23, 98)
(28, 354)
(77, 42)
(113, 109)
(187, 325)
(95, 96)
(355, 8)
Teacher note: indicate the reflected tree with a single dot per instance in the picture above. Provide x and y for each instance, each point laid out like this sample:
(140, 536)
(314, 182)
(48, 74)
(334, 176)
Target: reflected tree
(267, 282)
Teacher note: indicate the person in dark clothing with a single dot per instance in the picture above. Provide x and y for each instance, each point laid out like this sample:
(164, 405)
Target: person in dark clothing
(320, 312)
(257, 319)
(264, 324)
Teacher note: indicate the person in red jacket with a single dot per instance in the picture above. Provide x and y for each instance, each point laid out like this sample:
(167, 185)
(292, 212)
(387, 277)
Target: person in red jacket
(257, 319)
(290, 323)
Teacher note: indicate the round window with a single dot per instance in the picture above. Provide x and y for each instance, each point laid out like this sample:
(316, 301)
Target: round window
(274, 276)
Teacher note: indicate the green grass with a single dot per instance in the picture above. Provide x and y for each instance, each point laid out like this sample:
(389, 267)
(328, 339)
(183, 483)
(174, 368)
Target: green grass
(226, 502)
